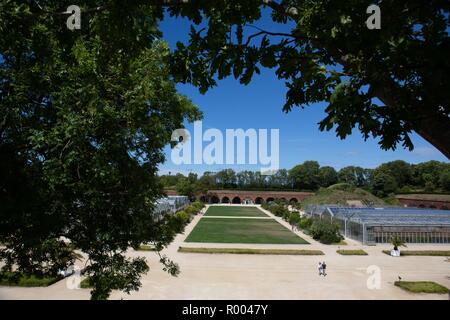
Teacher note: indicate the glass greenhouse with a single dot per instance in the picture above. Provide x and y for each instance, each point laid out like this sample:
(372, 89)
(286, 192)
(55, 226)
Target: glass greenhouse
(170, 204)
(379, 225)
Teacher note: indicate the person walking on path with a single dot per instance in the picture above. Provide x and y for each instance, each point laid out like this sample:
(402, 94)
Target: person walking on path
(320, 267)
(324, 269)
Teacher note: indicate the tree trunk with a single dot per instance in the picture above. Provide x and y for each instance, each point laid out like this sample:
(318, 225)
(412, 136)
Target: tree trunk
(436, 130)
(433, 127)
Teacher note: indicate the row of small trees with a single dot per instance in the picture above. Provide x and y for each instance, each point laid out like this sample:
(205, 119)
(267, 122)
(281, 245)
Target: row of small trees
(55, 255)
(181, 218)
(321, 230)
(395, 176)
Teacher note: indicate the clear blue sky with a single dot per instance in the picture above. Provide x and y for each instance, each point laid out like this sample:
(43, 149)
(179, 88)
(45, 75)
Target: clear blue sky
(259, 105)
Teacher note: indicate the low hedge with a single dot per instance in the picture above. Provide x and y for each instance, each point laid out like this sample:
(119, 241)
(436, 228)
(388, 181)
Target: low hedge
(422, 287)
(358, 252)
(251, 251)
(146, 247)
(437, 253)
(20, 279)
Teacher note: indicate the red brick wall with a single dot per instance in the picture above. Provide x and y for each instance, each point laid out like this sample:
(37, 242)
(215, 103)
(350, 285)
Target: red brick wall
(422, 203)
(253, 195)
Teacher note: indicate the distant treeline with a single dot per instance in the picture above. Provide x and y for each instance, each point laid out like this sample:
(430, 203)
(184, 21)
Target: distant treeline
(391, 177)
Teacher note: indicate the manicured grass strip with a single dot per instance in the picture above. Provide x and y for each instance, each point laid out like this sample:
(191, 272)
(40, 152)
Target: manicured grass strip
(252, 251)
(438, 253)
(146, 247)
(358, 252)
(86, 283)
(225, 230)
(422, 286)
(19, 279)
(234, 211)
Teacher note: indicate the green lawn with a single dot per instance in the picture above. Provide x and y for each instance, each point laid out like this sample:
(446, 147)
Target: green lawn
(422, 287)
(252, 251)
(226, 230)
(234, 211)
(18, 279)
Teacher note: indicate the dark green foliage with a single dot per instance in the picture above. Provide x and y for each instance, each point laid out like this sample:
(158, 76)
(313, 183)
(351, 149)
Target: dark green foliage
(386, 82)
(355, 176)
(19, 279)
(178, 221)
(306, 175)
(305, 223)
(383, 184)
(294, 218)
(278, 209)
(327, 176)
(85, 116)
(325, 231)
(114, 272)
(187, 186)
(391, 177)
(43, 259)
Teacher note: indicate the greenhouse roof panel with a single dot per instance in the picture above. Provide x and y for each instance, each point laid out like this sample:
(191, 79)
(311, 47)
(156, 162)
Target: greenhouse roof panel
(391, 215)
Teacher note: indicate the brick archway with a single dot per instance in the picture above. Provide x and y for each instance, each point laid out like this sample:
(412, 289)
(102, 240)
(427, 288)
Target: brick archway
(259, 200)
(236, 200)
(258, 197)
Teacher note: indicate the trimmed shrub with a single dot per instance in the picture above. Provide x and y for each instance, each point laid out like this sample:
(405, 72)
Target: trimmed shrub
(279, 210)
(183, 216)
(294, 218)
(190, 210)
(325, 231)
(305, 223)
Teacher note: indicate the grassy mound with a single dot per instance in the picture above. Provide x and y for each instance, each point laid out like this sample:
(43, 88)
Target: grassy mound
(340, 193)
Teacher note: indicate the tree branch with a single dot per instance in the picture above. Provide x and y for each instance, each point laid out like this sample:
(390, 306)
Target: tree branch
(261, 31)
(89, 10)
(163, 3)
(285, 11)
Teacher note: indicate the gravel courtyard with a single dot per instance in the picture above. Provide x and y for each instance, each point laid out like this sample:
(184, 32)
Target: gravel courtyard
(228, 276)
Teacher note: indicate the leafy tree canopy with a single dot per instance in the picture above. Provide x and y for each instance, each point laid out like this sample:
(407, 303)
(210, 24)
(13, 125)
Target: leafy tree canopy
(84, 116)
(387, 82)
